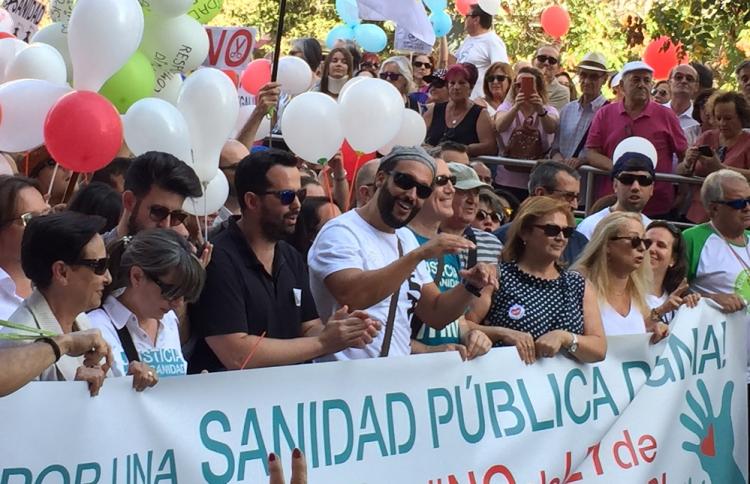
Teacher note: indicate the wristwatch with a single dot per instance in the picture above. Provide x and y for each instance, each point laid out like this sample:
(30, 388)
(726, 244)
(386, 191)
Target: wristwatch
(474, 290)
(541, 115)
(574, 345)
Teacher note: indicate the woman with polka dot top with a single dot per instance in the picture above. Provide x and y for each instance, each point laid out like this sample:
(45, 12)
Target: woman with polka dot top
(541, 308)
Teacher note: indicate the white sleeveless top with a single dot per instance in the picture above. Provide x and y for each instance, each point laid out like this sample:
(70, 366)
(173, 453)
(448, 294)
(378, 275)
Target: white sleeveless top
(615, 324)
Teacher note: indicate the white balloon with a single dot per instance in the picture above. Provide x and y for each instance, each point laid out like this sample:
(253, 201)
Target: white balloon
(25, 104)
(491, 7)
(171, 8)
(311, 127)
(635, 144)
(178, 44)
(214, 197)
(56, 35)
(348, 84)
(209, 103)
(152, 124)
(38, 61)
(102, 36)
(370, 114)
(263, 130)
(168, 86)
(6, 22)
(294, 75)
(412, 132)
(60, 10)
(8, 50)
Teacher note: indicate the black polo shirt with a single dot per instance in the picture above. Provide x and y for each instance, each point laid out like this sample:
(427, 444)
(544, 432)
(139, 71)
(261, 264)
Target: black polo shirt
(241, 297)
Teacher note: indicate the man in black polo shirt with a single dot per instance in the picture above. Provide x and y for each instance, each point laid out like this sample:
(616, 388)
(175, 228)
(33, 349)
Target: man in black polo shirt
(257, 284)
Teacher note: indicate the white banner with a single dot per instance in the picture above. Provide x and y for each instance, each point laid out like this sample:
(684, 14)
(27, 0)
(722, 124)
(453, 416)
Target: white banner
(675, 412)
(26, 15)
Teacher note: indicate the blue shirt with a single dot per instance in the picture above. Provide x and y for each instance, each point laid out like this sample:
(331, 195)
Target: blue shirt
(575, 120)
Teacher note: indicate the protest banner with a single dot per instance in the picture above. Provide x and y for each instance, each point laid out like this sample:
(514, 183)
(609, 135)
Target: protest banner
(26, 16)
(230, 47)
(675, 412)
(403, 41)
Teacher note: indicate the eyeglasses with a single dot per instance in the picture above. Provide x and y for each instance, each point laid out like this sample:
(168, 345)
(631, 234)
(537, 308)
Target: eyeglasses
(482, 215)
(170, 292)
(635, 241)
(683, 77)
(567, 196)
(660, 92)
(159, 213)
(419, 65)
(407, 182)
(552, 230)
(390, 76)
(546, 58)
(25, 218)
(442, 180)
(369, 65)
(497, 77)
(286, 197)
(629, 179)
(738, 204)
(99, 266)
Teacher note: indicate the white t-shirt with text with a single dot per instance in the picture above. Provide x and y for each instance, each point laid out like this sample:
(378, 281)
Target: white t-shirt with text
(482, 50)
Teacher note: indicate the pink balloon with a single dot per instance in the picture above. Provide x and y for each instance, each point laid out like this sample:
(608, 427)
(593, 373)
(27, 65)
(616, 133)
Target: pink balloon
(256, 75)
(463, 6)
(555, 21)
(662, 54)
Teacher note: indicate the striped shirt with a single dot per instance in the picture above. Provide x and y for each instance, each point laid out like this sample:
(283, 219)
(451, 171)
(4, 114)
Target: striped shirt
(488, 247)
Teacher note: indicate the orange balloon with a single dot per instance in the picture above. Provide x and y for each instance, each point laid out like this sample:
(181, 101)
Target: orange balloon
(555, 21)
(233, 76)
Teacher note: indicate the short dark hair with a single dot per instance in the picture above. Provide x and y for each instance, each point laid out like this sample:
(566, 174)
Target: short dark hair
(251, 175)
(98, 199)
(117, 167)
(452, 146)
(10, 186)
(705, 75)
(676, 273)
(544, 174)
(55, 237)
(163, 170)
(307, 222)
(700, 102)
(485, 19)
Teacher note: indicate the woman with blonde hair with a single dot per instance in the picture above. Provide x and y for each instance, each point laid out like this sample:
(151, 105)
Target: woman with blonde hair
(614, 262)
(495, 86)
(541, 308)
(397, 71)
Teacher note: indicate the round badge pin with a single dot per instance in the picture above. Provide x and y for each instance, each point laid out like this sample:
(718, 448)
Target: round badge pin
(516, 312)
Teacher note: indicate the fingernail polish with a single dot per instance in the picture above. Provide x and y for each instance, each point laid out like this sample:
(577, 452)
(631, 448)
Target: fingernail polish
(271, 457)
(296, 453)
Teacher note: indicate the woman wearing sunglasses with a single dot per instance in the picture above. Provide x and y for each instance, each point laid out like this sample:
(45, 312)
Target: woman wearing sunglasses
(614, 262)
(496, 84)
(422, 65)
(490, 213)
(541, 308)
(397, 71)
(153, 274)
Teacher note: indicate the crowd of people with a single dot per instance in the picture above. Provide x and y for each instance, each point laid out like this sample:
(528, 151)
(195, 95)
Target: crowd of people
(420, 250)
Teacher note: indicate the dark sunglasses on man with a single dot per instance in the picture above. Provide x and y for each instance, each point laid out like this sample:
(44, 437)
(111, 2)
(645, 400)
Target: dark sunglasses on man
(738, 204)
(98, 266)
(659, 92)
(442, 180)
(542, 59)
(630, 178)
(157, 213)
(406, 182)
(390, 76)
(286, 197)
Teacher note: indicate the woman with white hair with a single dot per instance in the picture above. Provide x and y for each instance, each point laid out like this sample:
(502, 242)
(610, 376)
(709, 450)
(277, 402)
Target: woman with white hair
(614, 262)
(397, 71)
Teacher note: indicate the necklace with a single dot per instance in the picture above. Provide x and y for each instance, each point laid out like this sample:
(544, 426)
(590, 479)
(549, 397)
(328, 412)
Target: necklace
(744, 264)
(454, 117)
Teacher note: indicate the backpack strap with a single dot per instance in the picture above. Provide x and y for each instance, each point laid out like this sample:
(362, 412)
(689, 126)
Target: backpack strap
(385, 348)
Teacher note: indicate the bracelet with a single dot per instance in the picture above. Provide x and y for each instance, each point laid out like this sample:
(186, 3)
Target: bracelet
(340, 178)
(545, 113)
(53, 344)
(472, 289)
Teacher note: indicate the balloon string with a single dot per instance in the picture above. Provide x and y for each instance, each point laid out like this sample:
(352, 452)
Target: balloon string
(353, 185)
(52, 182)
(253, 350)
(26, 163)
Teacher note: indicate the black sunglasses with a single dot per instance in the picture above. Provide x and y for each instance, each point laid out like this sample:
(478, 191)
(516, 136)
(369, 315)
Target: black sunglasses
(99, 266)
(497, 77)
(407, 182)
(426, 65)
(738, 204)
(635, 241)
(482, 215)
(552, 230)
(567, 196)
(442, 180)
(629, 179)
(159, 213)
(286, 197)
(390, 76)
(546, 58)
(659, 92)
(369, 65)
(170, 292)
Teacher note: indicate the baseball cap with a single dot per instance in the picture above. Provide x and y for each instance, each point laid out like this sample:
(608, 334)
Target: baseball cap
(633, 161)
(411, 153)
(466, 177)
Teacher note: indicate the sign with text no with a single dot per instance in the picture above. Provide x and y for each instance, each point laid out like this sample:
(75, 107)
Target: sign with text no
(230, 47)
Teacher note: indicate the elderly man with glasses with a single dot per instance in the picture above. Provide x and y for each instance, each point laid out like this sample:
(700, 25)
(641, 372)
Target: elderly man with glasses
(683, 83)
(547, 60)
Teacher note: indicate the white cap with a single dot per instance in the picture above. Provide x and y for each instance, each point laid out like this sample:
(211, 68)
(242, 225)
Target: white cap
(636, 66)
(616, 80)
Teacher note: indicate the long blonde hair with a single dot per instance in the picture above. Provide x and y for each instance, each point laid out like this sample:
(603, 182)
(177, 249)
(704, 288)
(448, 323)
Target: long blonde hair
(529, 213)
(593, 263)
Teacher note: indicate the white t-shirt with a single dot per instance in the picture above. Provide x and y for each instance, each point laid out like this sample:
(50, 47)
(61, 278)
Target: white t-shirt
(615, 324)
(588, 225)
(9, 299)
(482, 50)
(165, 357)
(349, 242)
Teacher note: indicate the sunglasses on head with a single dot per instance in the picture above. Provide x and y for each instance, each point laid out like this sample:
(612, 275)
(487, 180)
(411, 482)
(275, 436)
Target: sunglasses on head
(683, 77)
(286, 197)
(738, 204)
(546, 59)
(25, 218)
(483, 214)
(496, 77)
(390, 76)
(418, 64)
(407, 182)
(170, 292)
(442, 180)
(99, 266)
(635, 241)
(159, 213)
(552, 230)
(629, 179)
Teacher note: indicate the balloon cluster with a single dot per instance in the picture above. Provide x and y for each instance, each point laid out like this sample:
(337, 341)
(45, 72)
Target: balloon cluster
(370, 37)
(369, 114)
(439, 18)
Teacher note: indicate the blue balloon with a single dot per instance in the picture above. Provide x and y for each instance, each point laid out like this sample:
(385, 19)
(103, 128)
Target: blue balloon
(348, 11)
(441, 23)
(436, 5)
(370, 37)
(343, 32)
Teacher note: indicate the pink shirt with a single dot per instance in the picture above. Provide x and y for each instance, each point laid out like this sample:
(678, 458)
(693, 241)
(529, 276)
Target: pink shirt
(612, 124)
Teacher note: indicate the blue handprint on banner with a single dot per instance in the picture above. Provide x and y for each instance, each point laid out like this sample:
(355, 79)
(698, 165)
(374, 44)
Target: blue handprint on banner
(715, 449)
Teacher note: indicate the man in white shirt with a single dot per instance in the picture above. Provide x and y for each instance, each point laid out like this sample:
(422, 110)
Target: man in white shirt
(482, 47)
(683, 83)
(368, 259)
(633, 183)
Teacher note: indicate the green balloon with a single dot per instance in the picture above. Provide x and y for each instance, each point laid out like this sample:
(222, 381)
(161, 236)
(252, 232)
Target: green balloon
(135, 80)
(205, 10)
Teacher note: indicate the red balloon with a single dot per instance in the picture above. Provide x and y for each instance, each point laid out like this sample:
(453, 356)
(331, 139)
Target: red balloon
(463, 6)
(233, 76)
(353, 161)
(661, 60)
(6, 35)
(256, 75)
(83, 131)
(555, 21)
